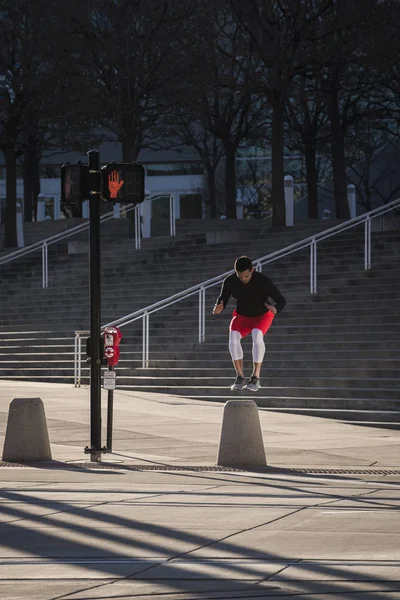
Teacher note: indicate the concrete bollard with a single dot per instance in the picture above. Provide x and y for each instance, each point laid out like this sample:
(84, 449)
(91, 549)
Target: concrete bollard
(241, 443)
(27, 438)
(20, 226)
(289, 200)
(351, 199)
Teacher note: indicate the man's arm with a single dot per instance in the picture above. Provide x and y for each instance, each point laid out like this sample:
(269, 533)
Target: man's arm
(223, 298)
(273, 292)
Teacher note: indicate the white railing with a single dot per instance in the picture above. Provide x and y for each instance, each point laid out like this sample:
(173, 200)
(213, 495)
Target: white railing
(44, 244)
(200, 288)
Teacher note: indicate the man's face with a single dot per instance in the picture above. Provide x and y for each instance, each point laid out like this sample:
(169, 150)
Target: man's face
(245, 276)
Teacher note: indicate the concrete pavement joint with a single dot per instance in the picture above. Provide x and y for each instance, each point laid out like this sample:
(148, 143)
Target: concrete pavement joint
(218, 469)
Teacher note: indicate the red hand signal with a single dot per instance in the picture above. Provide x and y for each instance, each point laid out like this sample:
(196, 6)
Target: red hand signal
(114, 184)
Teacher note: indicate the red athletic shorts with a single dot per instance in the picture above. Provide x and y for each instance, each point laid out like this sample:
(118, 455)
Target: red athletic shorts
(244, 325)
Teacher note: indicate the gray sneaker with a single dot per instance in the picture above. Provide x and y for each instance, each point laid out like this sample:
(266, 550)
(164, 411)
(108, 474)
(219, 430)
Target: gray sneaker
(253, 384)
(239, 384)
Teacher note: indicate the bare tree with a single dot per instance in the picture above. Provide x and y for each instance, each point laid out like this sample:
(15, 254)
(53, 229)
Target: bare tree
(307, 130)
(372, 154)
(20, 69)
(279, 31)
(124, 51)
(33, 95)
(220, 106)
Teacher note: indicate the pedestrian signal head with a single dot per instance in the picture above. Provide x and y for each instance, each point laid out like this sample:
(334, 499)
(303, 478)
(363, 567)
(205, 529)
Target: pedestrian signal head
(74, 187)
(123, 183)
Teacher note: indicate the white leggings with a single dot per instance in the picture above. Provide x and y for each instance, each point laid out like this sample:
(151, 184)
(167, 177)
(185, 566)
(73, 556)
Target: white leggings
(236, 350)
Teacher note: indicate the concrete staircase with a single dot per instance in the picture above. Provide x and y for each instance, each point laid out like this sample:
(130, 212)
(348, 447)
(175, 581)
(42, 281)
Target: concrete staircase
(333, 354)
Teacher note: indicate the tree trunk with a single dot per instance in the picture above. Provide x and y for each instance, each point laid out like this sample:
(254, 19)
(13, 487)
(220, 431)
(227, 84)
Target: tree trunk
(10, 234)
(230, 181)
(130, 149)
(211, 192)
(29, 184)
(338, 158)
(310, 149)
(277, 155)
(28, 197)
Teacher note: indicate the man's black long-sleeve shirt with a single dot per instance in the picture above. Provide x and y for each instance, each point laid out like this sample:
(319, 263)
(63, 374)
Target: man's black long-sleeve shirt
(251, 297)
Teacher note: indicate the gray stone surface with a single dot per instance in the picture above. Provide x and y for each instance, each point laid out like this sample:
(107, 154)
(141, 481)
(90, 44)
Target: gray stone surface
(329, 531)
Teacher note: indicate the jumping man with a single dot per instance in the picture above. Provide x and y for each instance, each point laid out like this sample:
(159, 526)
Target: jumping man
(253, 314)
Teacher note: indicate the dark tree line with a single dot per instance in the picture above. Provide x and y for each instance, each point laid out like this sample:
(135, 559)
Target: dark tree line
(313, 76)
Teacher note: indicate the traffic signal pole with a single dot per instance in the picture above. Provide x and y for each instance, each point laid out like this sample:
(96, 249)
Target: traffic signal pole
(94, 266)
(115, 182)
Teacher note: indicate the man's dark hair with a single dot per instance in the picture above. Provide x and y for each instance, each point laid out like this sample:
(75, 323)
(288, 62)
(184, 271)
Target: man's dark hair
(243, 263)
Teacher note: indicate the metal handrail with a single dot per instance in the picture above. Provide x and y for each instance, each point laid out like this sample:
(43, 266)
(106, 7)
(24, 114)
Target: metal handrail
(200, 288)
(44, 244)
(55, 238)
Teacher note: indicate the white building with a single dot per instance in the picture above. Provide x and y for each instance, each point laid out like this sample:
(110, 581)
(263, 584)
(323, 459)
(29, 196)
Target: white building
(168, 173)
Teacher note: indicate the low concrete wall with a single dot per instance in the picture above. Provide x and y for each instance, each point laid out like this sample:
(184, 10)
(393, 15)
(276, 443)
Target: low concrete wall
(385, 223)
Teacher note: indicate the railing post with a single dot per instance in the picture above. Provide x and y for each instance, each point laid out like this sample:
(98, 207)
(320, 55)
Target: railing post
(258, 266)
(202, 329)
(313, 267)
(137, 228)
(76, 360)
(79, 360)
(145, 346)
(45, 266)
(367, 247)
(172, 224)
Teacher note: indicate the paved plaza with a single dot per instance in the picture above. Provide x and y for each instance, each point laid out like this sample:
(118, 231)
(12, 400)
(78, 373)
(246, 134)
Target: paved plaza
(158, 519)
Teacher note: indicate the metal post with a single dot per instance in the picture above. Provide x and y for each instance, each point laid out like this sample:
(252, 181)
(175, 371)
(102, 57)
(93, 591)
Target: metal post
(203, 332)
(172, 224)
(110, 414)
(201, 314)
(145, 347)
(144, 341)
(147, 339)
(95, 359)
(137, 227)
(367, 248)
(45, 271)
(79, 360)
(313, 267)
(76, 361)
